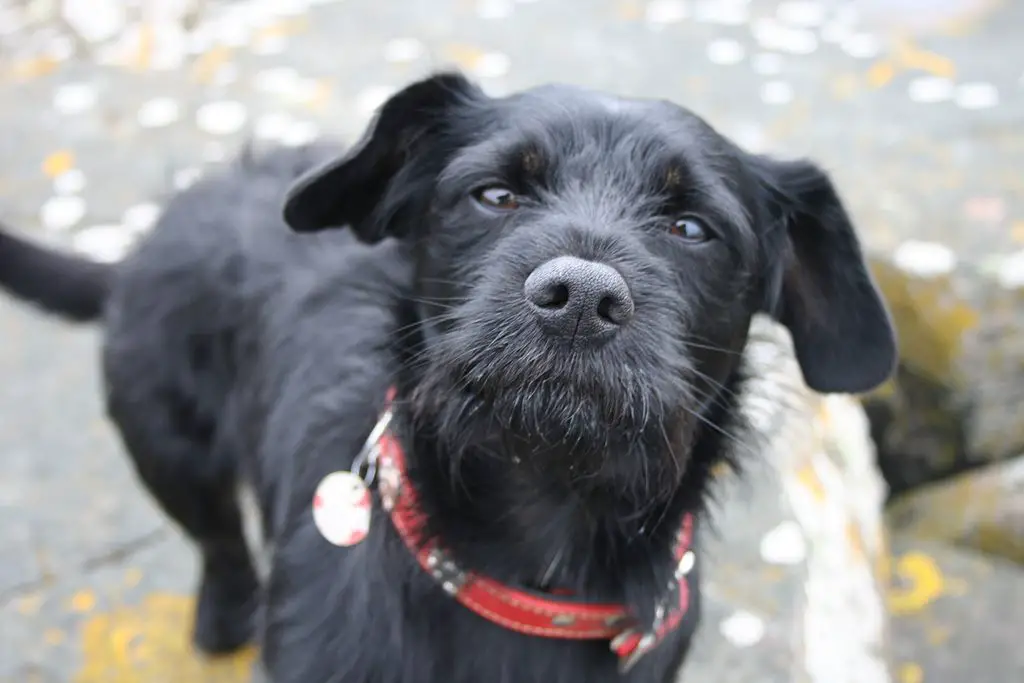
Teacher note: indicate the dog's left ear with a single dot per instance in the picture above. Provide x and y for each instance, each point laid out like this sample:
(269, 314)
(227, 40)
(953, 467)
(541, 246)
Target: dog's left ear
(348, 192)
(818, 283)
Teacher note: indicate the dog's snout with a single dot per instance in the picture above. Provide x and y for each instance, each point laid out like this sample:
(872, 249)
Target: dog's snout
(576, 298)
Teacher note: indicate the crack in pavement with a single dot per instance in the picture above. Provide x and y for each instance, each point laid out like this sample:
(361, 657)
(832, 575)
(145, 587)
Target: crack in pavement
(119, 553)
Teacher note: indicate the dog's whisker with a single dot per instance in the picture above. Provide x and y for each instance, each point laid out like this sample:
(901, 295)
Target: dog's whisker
(441, 281)
(435, 300)
(734, 438)
(715, 385)
(711, 347)
(410, 329)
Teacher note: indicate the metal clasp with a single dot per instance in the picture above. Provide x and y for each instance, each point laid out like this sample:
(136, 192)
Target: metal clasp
(647, 641)
(643, 646)
(365, 462)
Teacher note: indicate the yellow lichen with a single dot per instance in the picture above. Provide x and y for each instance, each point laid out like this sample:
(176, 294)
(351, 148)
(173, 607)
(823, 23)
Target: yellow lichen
(83, 601)
(910, 673)
(142, 56)
(924, 584)
(910, 56)
(280, 29)
(151, 642)
(969, 510)
(206, 66)
(855, 542)
(930, 318)
(809, 478)
(881, 74)
(58, 163)
(29, 69)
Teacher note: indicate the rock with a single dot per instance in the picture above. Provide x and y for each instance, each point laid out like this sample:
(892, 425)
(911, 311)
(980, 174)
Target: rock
(955, 614)
(955, 402)
(794, 566)
(933, 181)
(982, 509)
(919, 141)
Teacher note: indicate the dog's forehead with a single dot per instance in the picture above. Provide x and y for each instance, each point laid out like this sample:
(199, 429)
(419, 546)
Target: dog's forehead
(580, 112)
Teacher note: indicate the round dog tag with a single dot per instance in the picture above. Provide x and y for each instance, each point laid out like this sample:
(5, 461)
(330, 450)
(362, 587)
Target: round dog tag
(341, 508)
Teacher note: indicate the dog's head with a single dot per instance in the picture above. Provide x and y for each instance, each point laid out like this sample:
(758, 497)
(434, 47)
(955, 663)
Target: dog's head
(588, 266)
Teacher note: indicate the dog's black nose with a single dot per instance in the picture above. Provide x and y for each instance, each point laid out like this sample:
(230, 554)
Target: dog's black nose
(576, 298)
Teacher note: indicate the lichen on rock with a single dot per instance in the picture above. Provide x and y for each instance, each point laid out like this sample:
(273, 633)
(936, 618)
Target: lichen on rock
(799, 537)
(982, 509)
(955, 402)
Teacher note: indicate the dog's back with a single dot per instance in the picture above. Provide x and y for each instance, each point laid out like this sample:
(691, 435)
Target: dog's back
(200, 243)
(190, 289)
(209, 323)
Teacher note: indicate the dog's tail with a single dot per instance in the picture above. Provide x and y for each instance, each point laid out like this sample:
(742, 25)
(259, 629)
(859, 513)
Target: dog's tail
(69, 286)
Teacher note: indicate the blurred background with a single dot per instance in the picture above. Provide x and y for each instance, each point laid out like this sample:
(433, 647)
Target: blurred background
(915, 106)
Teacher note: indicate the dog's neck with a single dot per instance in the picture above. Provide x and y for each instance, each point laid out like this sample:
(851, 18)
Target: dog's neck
(501, 517)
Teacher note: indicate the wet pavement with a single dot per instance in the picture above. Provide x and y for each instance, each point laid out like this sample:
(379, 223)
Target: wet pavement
(916, 112)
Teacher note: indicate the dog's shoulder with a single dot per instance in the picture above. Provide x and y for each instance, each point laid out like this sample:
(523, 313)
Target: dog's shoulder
(222, 298)
(221, 246)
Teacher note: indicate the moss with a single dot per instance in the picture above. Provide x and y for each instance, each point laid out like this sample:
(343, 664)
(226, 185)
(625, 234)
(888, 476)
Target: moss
(979, 510)
(931, 320)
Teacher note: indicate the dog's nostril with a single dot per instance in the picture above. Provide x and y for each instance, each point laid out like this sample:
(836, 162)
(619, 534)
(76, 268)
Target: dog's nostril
(615, 310)
(554, 296)
(546, 290)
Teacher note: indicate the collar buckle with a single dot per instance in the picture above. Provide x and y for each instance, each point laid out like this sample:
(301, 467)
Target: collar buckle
(631, 645)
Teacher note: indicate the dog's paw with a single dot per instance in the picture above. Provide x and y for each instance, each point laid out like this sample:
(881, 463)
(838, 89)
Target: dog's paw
(225, 615)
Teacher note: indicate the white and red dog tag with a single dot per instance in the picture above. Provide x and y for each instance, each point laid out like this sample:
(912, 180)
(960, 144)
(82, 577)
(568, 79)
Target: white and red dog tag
(341, 508)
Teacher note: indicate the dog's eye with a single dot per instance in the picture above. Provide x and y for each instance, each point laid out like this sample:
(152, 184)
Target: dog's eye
(691, 230)
(497, 197)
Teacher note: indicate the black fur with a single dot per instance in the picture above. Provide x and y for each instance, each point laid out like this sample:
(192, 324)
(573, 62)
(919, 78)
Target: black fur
(54, 281)
(237, 350)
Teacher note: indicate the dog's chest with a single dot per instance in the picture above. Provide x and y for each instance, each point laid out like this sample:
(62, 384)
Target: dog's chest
(368, 613)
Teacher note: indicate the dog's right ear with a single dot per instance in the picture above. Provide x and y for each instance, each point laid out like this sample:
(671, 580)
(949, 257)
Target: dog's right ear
(347, 191)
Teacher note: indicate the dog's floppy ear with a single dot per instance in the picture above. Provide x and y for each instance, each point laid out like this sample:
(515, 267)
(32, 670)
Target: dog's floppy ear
(819, 286)
(346, 191)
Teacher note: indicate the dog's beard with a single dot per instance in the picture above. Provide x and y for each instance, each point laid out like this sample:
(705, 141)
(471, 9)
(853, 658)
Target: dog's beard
(596, 431)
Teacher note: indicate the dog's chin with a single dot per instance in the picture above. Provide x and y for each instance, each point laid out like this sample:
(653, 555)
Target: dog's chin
(606, 434)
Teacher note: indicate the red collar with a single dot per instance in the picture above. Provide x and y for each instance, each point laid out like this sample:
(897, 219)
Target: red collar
(523, 611)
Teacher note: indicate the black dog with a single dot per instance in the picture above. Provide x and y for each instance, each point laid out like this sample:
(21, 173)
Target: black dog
(558, 286)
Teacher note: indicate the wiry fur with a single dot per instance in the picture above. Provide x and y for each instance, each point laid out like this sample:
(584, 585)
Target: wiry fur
(238, 350)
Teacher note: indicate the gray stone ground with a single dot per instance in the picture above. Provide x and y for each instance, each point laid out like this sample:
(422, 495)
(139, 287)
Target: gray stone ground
(916, 111)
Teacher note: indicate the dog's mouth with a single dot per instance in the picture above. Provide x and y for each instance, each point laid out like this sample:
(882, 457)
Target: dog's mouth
(502, 385)
(528, 387)
(591, 442)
